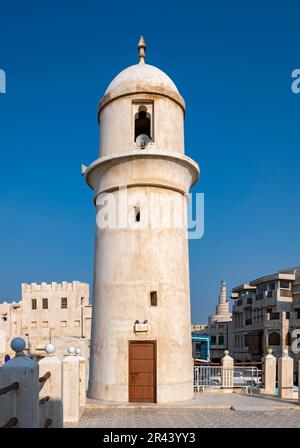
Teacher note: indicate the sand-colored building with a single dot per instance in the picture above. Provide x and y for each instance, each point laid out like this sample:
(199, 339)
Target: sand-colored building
(59, 313)
(265, 313)
(266, 310)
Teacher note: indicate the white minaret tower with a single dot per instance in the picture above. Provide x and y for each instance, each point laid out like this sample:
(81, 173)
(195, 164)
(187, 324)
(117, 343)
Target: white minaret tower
(141, 328)
(222, 309)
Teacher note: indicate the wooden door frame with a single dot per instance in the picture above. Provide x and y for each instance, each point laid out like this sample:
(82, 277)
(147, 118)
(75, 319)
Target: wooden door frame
(144, 341)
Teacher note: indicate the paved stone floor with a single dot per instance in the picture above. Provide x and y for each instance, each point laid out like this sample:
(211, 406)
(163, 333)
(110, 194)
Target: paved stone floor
(236, 401)
(186, 418)
(206, 410)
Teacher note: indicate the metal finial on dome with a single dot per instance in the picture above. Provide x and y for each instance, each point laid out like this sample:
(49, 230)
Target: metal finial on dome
(142, 47)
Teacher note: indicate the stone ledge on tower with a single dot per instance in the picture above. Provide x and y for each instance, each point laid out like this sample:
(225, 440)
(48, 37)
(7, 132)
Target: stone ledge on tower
(133, 168)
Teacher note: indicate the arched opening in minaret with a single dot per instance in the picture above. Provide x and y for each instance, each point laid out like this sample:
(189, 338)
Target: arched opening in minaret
(142, 123)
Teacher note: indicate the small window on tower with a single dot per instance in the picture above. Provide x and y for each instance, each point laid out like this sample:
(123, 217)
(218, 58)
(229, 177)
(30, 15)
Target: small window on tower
(142, 123)
(153, 298)
(33, 304)
(64, 302)
(137, 212)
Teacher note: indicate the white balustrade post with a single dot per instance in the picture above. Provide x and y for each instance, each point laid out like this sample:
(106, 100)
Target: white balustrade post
(269, 373)
(52, 387)
(227, 370)
(82, 378)
(25, 371)
(285, 376)
(71, 404)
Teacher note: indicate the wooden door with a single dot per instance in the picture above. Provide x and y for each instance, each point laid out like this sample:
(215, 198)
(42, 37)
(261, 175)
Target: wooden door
(142, 372)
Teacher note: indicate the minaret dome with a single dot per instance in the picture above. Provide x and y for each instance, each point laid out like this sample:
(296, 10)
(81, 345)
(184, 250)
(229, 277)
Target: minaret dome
(141, 99)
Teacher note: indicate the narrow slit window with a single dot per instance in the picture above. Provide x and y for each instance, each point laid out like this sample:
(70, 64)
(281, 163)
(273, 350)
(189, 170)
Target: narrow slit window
(153, 298)
(137, 212)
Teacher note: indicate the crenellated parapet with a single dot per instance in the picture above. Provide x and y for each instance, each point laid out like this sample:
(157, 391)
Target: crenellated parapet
(28, 288)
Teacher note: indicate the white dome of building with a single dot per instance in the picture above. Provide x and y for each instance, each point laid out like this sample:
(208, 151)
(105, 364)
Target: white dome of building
(143, 78)
(138, 75)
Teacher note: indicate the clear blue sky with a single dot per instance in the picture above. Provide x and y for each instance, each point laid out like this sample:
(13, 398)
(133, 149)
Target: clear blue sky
(232, 62)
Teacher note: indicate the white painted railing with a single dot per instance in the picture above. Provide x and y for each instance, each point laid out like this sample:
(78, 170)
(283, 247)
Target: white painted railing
(211, 377)
(207, 377)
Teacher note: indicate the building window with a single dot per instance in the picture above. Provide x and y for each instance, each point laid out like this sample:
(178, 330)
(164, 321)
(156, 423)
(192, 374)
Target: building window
(33, 304)
(63, 323)
(274, 338)
(64, 302)
(76, 323)
(213, 340)
(142, 124)
(153, 298)
(271, 286)
(45, 304)
(260, 291)
(45, 324)
(198, 350)
(34, 324)
(284, 284)
(221, 339)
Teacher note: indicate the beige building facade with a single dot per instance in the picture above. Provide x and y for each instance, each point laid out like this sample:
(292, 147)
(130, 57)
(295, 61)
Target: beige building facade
(59, 313)
(265, 314)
